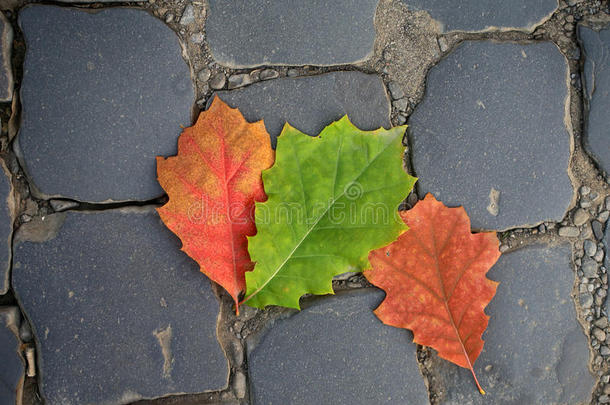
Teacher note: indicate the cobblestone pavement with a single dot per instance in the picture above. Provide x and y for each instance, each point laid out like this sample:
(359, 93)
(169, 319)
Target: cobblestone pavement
(507, 105)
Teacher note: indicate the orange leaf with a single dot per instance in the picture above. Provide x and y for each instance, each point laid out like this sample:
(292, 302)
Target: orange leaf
(434, 279)
(212, 185)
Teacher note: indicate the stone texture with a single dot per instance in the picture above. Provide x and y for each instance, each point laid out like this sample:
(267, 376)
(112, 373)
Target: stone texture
(479, 129)
(249, 33)
(97, 113)
(480, 15)
(6, 229)
(535, 351)
(597, 84)
(11, 365)
(119, 311)
(311, 103)
(6, 71)
(335, 351)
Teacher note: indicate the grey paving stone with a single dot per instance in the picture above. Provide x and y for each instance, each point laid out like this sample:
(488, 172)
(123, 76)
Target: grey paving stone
(97, 113)
(490, 134)
(335, 351)
(11, 365)
(480, 15)
(311, 103)
(6, 71)
(119, 311)
(248, 33)
(535, 351)
(597, 83)
(6, 229)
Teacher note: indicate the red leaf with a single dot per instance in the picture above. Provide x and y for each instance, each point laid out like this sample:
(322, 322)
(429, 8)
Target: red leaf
(212, 185)
(434, 279)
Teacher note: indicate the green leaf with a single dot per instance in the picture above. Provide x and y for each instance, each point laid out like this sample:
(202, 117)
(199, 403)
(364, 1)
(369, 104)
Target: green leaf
(332, 199)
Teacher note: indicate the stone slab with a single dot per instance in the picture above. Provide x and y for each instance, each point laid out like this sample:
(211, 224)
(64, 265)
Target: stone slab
(6, 229)
(490, 134)
(97, 112)
(249, 33)
(535, 350)
(335, 351)
(6, 70)
(119, 312)
(597, 84)
(12, 368)
(483, 15)
(311, 103)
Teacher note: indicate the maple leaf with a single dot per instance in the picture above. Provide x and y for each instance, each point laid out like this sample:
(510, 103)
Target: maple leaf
(434, 279)
(212, 184)
(332, 198)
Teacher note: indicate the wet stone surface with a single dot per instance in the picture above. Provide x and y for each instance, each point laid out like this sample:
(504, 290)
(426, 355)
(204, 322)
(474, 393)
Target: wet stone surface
(480, 119)
(6, 231)
(481, 15)
(335, 351)
(532, 336)
(11, 365)
(6, 72)
(311, 103)
(120, 313)
(249, 33)
(97, 113)
(597, 84)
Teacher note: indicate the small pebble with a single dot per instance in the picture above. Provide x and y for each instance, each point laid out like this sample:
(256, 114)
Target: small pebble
(598, 230)
(590, 247)
(197, 38)
(541, 228)
(605, 351)
(217, 81)
(589, 268)
(584, 190)
(599, 334)
(569, 231)
(269, 74)
(586, 300)
(396, 90)
(239, 385)
(603, 216)
(585, 203)
(292, 73)
(239, 80)
(188, 16)
(169, 17)
(599, 255)
(442, 44)
(204, 74)
(401, 104)
(401, 119)
(580, 217)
